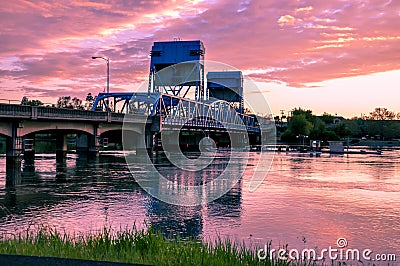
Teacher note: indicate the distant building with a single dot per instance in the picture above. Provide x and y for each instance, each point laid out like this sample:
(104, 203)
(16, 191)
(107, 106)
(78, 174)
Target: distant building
(338, 119)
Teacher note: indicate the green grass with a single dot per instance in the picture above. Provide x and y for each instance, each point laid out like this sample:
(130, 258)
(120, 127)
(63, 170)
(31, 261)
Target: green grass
(131, 246)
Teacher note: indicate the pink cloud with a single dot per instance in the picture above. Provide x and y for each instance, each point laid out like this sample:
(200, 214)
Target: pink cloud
(287, 20)
(297, 42)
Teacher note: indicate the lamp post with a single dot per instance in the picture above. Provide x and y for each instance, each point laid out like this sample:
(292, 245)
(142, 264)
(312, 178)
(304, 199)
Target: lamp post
(108, 69)
(108, 76)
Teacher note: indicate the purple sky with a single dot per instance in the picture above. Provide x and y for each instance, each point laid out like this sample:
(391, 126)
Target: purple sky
(336, 56)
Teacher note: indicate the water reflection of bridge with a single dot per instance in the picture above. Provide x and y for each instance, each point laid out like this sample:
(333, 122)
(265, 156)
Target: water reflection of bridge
(44, 190)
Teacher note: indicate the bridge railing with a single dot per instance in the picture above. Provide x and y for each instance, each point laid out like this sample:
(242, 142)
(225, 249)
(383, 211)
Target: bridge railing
(15, 110)
(57, 113)
(37, 112)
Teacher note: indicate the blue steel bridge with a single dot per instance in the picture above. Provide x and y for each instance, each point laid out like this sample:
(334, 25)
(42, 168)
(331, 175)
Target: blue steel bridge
(215, 110)
(217, 107)
(194, 119)
(176, 111)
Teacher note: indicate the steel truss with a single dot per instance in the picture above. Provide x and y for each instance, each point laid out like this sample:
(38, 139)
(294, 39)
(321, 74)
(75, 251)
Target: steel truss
(176, 112)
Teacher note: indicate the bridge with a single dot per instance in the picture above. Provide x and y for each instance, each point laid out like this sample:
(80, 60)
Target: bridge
(20, 123)
(148, 116)
(158, 119)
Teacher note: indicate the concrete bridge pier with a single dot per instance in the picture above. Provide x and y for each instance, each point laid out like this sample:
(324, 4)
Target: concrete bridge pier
(61, 148)
(82, 143)
(88, 144)
(239, 140)
(145, 142)
(61, 157)
(13, 157)
(93, 145)
(13, 171)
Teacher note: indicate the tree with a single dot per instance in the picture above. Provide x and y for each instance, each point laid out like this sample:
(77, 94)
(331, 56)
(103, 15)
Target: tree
(303, 122)
(89, 101)
(353, 127)
(318, 129)
(77, 103)
(307, 113)
(320, 132)
(330, 135)
(381, 114)
(69, 103)
(298, 125)
(64, 102)
(341, 130)
(25, 101)
(327, 118)
(383, 129)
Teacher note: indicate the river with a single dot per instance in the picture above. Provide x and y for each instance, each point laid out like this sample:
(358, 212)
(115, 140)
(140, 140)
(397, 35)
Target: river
(305, 202)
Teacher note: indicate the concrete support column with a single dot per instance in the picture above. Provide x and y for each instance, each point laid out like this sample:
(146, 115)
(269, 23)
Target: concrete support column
(145, 142)
(93, 145)
(82, 143)
(61, 148)
(61, 157)
(239, 140)
(87, 145)
(13, 171)
(94, 142)
(13, 143)
(13, 157)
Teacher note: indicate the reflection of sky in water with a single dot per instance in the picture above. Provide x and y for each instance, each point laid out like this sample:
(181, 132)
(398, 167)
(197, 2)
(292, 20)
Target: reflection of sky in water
(305, 202)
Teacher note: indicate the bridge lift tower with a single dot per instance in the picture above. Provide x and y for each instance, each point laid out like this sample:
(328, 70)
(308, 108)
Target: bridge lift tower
(182, 63)
(227, 86)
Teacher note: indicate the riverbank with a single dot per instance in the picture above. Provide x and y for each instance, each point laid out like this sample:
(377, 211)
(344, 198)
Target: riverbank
(378, 143)
(130, 246)
(395, 144)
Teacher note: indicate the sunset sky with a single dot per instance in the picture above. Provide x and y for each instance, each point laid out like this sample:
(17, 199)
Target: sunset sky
(338, 56)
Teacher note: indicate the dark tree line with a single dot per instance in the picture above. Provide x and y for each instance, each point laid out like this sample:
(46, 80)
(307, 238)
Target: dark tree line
(25, 101)
(304, 123)
(380, 124)
(64, 102)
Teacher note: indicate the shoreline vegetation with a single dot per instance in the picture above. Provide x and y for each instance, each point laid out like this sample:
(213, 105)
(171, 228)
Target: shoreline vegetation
(133, 246)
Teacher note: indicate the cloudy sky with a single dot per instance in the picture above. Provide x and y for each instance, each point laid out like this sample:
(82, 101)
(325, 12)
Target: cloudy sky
(338, 56)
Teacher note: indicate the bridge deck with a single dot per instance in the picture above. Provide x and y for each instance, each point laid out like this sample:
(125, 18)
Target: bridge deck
(13, 111)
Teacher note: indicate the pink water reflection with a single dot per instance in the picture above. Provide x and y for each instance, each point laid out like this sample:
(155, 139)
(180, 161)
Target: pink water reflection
(304, 202)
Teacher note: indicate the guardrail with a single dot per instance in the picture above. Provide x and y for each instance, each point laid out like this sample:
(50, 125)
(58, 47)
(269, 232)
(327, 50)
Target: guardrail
(14, 111)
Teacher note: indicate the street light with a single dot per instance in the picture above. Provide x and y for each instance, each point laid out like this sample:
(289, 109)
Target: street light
(108, 69)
